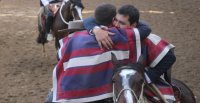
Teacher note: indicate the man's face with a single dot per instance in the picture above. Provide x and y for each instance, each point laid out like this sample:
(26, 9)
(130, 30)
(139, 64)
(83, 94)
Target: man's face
(122, 21)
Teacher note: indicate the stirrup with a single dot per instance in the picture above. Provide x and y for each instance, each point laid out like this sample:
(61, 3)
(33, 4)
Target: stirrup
(49, 37)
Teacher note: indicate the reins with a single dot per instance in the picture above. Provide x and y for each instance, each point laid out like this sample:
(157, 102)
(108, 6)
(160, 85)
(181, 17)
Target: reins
(139, 100)
(60, 12)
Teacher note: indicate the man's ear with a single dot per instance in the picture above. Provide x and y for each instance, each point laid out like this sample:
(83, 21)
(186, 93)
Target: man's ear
(134, 25)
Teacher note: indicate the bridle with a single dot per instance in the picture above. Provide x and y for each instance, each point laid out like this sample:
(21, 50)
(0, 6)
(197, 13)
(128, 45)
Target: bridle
(60, 12)
(139, 100)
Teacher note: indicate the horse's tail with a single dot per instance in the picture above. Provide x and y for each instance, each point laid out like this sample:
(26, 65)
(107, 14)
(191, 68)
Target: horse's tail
(42, 37)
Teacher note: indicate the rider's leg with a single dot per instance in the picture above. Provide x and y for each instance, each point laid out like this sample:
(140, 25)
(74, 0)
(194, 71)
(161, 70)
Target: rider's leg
(49, 22)
(48, 25)
(163, 87)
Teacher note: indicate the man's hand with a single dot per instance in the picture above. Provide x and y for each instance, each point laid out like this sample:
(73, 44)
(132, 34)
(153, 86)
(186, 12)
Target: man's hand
(103, 38)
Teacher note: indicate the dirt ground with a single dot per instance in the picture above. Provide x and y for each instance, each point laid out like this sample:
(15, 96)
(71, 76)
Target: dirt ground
(25, 74)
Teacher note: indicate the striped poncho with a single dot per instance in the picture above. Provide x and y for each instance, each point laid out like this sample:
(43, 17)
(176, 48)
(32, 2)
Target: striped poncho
(84, 71)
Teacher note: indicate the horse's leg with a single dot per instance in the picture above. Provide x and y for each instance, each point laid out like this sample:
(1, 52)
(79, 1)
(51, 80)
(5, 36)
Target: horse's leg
(57, 44)
(55, 29)
(41, 29)
(44, 51)
(59, 36)
(46, 57)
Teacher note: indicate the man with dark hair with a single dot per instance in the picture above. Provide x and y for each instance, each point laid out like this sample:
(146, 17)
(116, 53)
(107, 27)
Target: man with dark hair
(128, 17)
(102, 36)
(131, 13)
(104, 14)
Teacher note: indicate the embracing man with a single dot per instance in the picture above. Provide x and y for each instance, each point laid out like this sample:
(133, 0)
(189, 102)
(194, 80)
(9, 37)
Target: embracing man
(158, 52)
(84, 70)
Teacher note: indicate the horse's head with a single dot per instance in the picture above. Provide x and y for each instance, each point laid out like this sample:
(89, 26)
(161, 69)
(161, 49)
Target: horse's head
(128, 81)
(71, 10)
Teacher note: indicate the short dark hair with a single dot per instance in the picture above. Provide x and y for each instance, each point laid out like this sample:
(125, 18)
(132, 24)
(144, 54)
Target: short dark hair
(131, 11)
(105, 13)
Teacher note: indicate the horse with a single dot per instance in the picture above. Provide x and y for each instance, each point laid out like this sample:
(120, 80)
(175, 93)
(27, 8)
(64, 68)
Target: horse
(69, 10)
(129, 84)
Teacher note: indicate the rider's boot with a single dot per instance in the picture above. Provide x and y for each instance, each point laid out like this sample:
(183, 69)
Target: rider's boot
(50, 36)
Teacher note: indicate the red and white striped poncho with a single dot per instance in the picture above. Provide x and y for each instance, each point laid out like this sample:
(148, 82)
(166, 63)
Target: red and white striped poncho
(84, 71)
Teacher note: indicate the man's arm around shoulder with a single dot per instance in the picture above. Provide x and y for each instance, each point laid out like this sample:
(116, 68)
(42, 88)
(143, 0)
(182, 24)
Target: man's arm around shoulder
(143, 29)
(89, 23)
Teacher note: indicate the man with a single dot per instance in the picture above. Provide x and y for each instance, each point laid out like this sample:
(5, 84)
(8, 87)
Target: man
(152, 46)
(49, 11)
(102, 36)
(84, 71)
